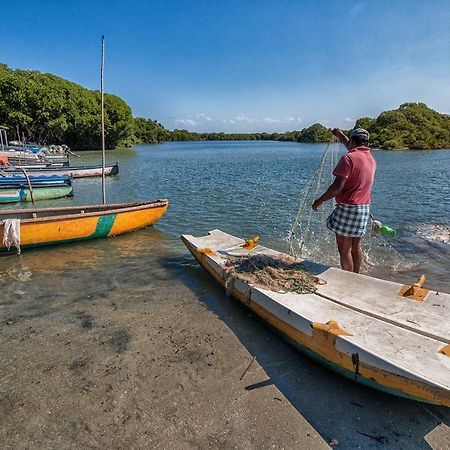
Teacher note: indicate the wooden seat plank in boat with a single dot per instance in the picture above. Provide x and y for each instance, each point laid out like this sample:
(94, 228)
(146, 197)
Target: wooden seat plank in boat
(376, 352)
(356, 291)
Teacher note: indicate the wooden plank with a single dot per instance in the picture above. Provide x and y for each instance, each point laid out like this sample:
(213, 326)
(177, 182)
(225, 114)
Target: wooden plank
(379, 298)
(439, 437)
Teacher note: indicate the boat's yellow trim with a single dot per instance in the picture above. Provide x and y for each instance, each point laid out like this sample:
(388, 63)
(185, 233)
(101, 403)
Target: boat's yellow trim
(415, 291)
(206, 251)
(58, 230)
(134, 220)
(331, 327)
(250, 244)
(322, 343)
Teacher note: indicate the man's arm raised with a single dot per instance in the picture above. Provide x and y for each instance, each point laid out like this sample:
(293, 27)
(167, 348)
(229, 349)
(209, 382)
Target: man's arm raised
(340, 135)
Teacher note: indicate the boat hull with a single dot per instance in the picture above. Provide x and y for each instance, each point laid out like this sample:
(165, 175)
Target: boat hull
(60, 226)
(39, 193)
(75, 171)
(18, 181)
(17, 167)
(333, 346)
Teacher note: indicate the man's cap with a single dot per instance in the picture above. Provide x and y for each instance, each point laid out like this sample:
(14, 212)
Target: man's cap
(360, 133)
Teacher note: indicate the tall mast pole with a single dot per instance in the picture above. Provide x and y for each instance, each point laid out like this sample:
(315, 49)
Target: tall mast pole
(103, 123)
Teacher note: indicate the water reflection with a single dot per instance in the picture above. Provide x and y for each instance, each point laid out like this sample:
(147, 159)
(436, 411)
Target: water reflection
(149, 244)
(248, 188)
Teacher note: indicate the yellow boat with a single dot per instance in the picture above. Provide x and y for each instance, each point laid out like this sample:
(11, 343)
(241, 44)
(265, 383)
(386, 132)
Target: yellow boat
(49, 226)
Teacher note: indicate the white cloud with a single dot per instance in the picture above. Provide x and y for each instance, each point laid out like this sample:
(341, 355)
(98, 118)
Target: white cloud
(270, 120)
(349, 120)
(186, 122)
(262, 123)
(246, 119)
(289, 120)
(242, 118)
(204, 116)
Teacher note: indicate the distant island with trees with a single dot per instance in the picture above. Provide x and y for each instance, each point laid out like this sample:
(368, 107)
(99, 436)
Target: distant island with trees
(47, 109)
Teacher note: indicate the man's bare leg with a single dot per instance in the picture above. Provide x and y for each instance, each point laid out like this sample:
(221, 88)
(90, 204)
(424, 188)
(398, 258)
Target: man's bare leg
(356, 254)
(344, 245)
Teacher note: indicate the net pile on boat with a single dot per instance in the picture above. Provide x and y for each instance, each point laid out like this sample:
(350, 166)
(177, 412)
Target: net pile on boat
(275, 274)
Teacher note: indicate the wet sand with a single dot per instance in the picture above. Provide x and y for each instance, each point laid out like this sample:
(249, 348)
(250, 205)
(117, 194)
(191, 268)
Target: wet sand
(96, 360)
(137, 347)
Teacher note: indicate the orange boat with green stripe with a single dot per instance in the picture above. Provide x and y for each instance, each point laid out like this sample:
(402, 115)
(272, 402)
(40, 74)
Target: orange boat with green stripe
(50, 226)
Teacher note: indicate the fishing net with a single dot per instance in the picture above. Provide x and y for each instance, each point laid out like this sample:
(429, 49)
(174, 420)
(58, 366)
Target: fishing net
(308, 230)
(275, 274)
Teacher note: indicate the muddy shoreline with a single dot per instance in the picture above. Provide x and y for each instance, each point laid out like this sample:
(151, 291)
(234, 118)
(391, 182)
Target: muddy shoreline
(144, 350)
(111, 366)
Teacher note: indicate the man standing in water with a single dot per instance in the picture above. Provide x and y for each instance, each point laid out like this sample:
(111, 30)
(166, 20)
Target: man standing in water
(352, 187)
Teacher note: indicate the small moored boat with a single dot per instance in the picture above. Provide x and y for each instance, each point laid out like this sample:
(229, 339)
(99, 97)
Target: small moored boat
(50, 226)
(39, 193)
(381, 334)
(17, 181)
(17, 189)
(73, 171)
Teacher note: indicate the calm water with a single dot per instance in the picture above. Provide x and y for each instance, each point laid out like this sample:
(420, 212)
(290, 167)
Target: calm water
(248, 188)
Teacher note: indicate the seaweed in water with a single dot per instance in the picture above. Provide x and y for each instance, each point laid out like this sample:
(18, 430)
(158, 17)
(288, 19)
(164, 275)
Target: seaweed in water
(275, 274)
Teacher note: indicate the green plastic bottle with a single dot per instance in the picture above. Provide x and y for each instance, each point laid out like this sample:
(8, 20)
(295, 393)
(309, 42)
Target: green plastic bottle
(388, 231)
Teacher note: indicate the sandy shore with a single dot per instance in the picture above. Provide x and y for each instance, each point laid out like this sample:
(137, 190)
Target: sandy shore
(109, 366)
(146, 351)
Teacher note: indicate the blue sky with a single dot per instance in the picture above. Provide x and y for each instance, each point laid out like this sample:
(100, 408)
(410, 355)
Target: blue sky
(241, 65)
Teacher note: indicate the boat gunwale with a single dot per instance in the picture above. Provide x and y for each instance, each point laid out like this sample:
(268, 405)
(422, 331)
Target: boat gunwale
(113, 208)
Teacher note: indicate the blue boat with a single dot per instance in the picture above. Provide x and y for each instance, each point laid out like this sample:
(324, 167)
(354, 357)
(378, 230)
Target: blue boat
(21, 181)
(21, 189)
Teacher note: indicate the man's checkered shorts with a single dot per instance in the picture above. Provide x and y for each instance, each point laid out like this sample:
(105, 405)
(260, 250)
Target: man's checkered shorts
(349, 220)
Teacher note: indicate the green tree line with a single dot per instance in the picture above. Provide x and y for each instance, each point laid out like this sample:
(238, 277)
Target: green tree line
(48, 109)
(412, 126)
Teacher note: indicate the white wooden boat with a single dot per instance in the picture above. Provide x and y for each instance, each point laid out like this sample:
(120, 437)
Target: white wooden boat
(66, 171)
(24, 157)
(357, 325)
